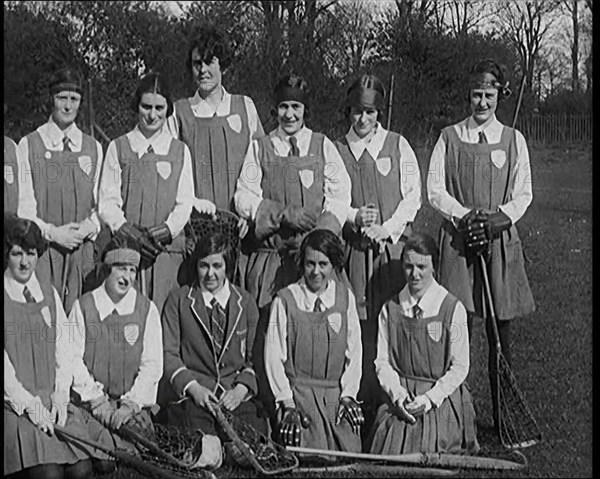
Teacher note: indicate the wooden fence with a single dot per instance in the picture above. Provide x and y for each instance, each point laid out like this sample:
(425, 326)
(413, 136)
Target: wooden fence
(556, 129)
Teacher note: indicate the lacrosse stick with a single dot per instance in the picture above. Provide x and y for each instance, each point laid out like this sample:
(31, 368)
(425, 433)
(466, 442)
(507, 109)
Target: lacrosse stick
(256, 450)
(225, 222)
(143, 288)
(65, 272)
(516, 425)
(378, 470)
(145, 463)
(421, 459)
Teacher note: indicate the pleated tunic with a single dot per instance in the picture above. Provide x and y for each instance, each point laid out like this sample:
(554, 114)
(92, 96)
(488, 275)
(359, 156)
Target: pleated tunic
(11, 176)
(32, 353)
(420, 362)
(482, 176)
(149, 189)
(63, 184)
(218, 145)
(371, 185)
(314, 367)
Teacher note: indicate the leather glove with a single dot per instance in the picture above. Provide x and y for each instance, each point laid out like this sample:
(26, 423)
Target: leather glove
(126, 410)
(39, 415)
(102, 410)
(161, 234)
(148, 249)
(496, 224)
(58, 409)
(473, 220)
(352, 411)
(419, 406)
(298, 218)
(289, 429)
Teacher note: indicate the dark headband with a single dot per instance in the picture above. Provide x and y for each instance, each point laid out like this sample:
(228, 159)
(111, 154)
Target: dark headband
(65, 86)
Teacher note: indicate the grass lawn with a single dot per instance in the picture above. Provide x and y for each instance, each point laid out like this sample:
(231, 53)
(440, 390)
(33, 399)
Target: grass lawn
(552, 348)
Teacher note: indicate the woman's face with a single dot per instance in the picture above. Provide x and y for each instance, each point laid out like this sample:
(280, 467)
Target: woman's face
(207, 76)
(290, 115)
(483, 102)
(22, 263)
(418, 271)
(152, 113)
(65, 108)
(364, 120)
(317, 270)
(212, 272)
(120, 280)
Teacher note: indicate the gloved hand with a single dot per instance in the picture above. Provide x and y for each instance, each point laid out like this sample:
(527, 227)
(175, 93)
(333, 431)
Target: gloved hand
(289, 429)
(160, 234)
(366, 216)
(419, 406)
(58, 409)
(126, 410)
(352, 411)
(148, 249)
(205, 206)
(472, 221)
(102, 409)
(496, 224)
(40, 416)
(298, 218)
(401, 411)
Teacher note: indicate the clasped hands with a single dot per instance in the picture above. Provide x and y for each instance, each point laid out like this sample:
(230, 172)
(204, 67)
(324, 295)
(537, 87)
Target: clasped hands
(408, 411)
(366, 219)
(73, 234)
(479, 228)
(205, 398)
(113, 414)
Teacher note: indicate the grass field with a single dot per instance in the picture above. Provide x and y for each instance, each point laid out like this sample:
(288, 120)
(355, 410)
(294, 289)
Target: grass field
(552, 348)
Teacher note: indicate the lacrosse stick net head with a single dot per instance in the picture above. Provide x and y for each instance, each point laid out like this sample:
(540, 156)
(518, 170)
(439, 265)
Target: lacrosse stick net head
(251, 448)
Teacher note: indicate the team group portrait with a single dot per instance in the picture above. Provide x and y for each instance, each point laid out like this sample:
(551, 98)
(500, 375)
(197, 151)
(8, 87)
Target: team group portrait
(308, 238)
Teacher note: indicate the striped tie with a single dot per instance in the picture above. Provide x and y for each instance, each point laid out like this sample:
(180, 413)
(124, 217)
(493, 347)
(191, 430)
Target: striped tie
(27, 294)
(217, 316)
(66, 146)
(294, 151)
(417, 312)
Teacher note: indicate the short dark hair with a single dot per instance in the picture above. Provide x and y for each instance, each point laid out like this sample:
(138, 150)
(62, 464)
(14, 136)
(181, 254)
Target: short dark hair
(215, 243)
(424, 244)
(24, 233)
(65, 78)
(367, 82)
(211, 41)
(325, 241)
(152, 82)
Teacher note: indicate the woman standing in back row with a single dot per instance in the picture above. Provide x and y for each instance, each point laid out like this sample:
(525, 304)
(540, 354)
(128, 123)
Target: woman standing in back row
(386, 195)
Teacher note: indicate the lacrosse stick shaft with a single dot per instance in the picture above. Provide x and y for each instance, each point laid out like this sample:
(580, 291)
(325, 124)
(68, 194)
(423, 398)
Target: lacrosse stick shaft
(390, 99)
(424, 459)
(143, 287)
(381, 470)
(133, 461)
(491, 309)
(65, 274)
(519, 99)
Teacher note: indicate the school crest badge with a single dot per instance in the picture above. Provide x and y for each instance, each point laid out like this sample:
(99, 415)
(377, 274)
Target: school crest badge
(164, 169)
(235, 123)
(335, 321)
(131, 332)
(9, 174)
(384, 165)
(45, 312)
(307, 177)
(85, 163)
(434, 329)
(498, 158)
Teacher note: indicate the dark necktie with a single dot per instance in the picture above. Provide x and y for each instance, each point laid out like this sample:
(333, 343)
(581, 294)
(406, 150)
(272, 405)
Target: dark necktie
(217, 317)
(66, 146)
(28, 296)
(294, 151)
(318, 303)
(482, 138)
(150, 149)
(417, 312)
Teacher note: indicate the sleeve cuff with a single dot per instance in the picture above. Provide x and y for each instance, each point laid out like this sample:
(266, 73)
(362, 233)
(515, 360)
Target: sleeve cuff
(181, 379)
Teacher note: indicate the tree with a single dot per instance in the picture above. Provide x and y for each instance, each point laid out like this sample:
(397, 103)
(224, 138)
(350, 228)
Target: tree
(461, 17)
(571, 7)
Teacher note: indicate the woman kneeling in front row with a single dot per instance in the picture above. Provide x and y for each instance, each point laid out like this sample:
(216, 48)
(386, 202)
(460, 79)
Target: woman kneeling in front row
(422, 363)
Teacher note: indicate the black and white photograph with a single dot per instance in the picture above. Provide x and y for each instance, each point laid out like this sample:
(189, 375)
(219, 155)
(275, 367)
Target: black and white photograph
(298, 238)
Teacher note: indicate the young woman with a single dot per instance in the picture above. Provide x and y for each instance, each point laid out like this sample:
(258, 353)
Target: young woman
(59, 166)
(480, 182)
(422, 363)
(313, 356)
(146, 190)
(116, 352)
(208, 336)
(35, 327)
(217, 126)
(292, 180)
(386, 195)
